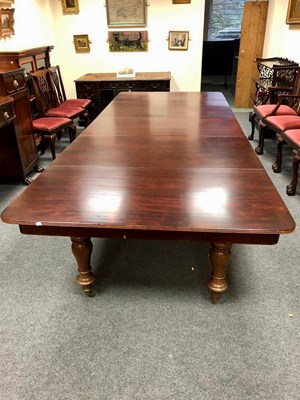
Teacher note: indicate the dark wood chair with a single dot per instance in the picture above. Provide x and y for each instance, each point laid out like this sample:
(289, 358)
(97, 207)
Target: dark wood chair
(278, 117)
(49, 107)
(48, 128)
(292, 138)
(60, 91)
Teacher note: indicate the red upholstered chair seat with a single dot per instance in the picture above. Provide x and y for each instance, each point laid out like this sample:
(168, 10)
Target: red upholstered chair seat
(49, 124)
(294, 136)
(265, 109)
(283, 122)
(64, 112)
(83, 103)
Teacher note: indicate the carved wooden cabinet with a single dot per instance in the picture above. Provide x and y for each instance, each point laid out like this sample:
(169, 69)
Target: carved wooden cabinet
(15, 66)
(101, 88)
(21, 144)
(29, 59)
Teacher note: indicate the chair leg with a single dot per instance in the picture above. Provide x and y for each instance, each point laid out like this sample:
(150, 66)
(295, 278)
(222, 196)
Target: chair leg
(291, 188)
(72, 132)
(42, 145)
(276, 167)
(86, 119)
(261, 142)
(252, 120)
(51, 138)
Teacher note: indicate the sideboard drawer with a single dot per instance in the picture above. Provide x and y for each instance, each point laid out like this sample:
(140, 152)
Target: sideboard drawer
(156, 85)
(14, 81)
(7, 114)
(122, 85)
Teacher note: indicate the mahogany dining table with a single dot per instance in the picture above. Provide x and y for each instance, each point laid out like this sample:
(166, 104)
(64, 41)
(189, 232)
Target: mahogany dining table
(157, 165)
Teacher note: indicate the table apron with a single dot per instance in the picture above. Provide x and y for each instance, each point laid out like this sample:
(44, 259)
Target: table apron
(217, 237)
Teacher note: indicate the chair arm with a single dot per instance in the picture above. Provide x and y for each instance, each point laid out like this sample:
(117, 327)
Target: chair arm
(279, 102)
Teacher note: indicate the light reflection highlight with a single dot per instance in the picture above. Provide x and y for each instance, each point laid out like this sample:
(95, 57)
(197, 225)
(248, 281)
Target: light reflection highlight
(210, 201)
(105, 202)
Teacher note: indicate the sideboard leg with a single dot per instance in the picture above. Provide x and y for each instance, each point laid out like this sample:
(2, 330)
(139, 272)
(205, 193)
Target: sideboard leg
(82, 250)
(219, 256)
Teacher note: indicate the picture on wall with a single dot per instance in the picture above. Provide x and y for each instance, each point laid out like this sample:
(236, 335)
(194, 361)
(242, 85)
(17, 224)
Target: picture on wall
(70, 6)
(128, 13)
(128, 41)
(181, 1)
(7, 22)
(178, 40)
(293, 13)
(81, 43)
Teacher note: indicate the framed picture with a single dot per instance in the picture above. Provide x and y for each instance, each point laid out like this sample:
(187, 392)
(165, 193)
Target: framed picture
(181, 1)
(81, 43)
(293, 13)
(6, 3)
(130, 13)
(178, 40)
(70, 6)
(7, 22)
(128, 41)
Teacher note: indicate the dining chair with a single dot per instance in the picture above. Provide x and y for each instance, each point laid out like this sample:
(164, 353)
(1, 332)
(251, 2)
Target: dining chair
(48, 128)
(286, 105)
(278, 117)
(45, 91)
(292, 138)
(60, 91)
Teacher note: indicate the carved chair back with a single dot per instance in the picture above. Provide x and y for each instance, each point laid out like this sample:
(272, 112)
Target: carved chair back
(58, 83)
(44, 90)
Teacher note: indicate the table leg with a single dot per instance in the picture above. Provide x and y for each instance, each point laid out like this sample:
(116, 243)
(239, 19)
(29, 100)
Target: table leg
(219, 255)
(82, 250)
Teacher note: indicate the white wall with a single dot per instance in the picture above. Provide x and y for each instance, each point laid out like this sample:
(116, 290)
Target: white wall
(41, 22)
(281, 39)
(35, 20)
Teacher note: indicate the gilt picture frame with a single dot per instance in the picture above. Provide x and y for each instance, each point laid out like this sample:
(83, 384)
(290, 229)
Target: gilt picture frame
(181, 1)
(70, 6)
(7, 22)
(128, 13)
(293, 12)
(81, 43)
(178, 40)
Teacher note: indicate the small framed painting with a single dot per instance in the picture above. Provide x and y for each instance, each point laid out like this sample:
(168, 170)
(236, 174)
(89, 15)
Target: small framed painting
(70, 6)
(7, 22)
(178, 40)
(293, 13)
(81, 43)
(181, 1)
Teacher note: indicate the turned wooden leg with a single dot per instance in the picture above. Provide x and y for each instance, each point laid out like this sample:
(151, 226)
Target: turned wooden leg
(261, 142)
(219, 256)
(82, 250)
(291, 188)
(276, 167)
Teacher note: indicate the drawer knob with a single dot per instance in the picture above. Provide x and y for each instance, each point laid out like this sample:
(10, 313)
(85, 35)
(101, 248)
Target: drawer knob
(16, 83)
(6, 115)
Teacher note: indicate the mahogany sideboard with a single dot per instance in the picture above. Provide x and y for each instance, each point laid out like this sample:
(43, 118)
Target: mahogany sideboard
(102, 88)
(21, 145)
(15, 66)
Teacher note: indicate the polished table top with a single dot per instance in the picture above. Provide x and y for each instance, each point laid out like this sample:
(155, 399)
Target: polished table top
(157, 165)
(158, 161)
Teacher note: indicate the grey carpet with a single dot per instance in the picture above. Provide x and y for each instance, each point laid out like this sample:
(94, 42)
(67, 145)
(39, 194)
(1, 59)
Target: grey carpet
(152, 332)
